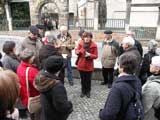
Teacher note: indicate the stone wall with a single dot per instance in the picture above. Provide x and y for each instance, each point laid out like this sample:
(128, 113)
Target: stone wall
(97, 35)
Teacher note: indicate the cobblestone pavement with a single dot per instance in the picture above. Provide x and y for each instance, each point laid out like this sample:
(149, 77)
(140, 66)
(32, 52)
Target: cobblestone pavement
(86, 108)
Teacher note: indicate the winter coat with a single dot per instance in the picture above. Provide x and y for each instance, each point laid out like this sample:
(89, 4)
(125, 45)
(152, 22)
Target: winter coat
(54, 101)
(67, 45)
(10, 62)
(151, 96)
(21, 72)
(134, 51)
(137, 45)
(86, 64)
(145, 69)
(34, 45)
(110, 51)
(119, 97)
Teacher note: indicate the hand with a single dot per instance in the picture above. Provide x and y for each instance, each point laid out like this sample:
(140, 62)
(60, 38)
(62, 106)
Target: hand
(87, 54)
(77, 52)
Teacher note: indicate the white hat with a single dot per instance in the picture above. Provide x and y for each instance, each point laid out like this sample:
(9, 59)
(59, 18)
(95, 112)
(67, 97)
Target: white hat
(63, 28)
(156, 61)
(128, 40)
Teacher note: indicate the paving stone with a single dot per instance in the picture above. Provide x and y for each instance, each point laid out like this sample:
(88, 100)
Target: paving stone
(86, 108)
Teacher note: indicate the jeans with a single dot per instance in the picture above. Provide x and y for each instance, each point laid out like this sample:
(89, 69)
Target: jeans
(69, 69)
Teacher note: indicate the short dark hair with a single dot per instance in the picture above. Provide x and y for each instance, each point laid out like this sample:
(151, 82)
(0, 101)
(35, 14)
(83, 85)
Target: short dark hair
(128, 62)
(8, 47)
(87, 34)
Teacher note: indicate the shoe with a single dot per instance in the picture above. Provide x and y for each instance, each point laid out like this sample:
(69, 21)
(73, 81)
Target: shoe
(82, 95)
(103, 83)
(88, 95)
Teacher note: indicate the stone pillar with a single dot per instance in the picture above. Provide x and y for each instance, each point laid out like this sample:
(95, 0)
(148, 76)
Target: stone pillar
(158, 25)
(8, 14)
(33, 14)
(128, 13)
(95, 15)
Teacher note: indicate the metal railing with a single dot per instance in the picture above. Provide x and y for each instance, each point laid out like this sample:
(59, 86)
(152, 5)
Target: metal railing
(21, 24)
(144, 33)
(81, 23)
(113, 24)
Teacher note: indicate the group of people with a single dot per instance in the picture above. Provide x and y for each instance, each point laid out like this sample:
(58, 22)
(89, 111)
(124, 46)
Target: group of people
(39, 69)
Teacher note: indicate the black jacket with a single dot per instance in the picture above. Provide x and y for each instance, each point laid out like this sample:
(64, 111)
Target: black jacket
(145, 68)
(55, 104)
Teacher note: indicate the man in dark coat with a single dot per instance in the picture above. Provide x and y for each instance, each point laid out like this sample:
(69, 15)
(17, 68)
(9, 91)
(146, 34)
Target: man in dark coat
(121, 92)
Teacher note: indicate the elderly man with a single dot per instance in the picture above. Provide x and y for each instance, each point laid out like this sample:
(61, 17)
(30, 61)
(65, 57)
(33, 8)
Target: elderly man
(128, 44)
(151, 91)
(66, 44)
(110, 51)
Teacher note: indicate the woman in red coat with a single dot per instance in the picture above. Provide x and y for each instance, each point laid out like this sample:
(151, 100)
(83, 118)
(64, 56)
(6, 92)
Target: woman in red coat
(87, 52)
(27, 57)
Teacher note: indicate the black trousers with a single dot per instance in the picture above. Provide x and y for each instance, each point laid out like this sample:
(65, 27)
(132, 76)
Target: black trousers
(108, 75)
(85, 81)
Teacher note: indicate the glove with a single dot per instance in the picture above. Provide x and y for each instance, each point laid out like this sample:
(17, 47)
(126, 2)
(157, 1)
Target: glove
(87, 54)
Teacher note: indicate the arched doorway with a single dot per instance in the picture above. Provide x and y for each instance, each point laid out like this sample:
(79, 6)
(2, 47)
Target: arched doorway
(50, 12)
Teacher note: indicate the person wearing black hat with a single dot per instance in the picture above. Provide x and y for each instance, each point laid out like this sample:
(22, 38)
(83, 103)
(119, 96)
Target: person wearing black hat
(32, 42)
(110, 51)
(54, 101)
(41, 31)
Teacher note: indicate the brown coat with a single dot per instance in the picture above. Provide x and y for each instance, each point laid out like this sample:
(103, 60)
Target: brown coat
(66, 46)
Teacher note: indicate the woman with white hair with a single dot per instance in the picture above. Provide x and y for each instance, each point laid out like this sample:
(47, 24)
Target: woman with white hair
(145, 72)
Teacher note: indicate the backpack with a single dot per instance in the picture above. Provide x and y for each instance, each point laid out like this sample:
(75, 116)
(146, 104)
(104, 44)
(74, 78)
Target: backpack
(134, 110)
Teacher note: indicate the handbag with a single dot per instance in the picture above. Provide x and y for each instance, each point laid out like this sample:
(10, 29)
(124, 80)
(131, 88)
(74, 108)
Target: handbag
(33, 102)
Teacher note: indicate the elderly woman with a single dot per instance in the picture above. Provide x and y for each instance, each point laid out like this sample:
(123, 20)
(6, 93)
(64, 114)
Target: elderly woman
(9, 88)
(87, 52)
(145, 69)
(10, 60)
(151, 91)
(27, 57)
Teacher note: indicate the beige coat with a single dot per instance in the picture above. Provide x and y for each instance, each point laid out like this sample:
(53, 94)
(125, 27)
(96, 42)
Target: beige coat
(109, 54)
(66, 46)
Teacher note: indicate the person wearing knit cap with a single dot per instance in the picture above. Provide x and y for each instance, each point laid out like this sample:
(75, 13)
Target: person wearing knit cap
(145, 68)
(151, 91)
(27, 57)
(55, 104)
(128, 46)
